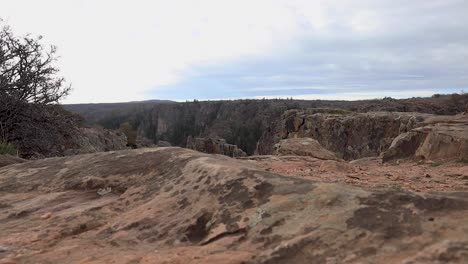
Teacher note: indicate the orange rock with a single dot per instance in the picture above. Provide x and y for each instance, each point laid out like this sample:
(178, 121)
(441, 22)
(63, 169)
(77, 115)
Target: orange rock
(46, 215)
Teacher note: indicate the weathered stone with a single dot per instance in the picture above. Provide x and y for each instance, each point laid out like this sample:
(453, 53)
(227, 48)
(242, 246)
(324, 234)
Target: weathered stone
(350, 136)
(90, 140)
(440, 140)
(199, 208)
(304, 147)
(403, 146)
(444, 142)
(6, 160)
(336, 166)
(162, 143)
(214, 146)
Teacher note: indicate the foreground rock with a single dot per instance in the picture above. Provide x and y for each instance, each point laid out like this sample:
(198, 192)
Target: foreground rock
(371, 173)
(172, 205)
(304, 147)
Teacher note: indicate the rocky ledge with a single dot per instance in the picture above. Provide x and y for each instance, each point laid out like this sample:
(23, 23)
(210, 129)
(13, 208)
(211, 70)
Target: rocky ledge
(349, 135)
(304, 147)
(6, 160)
(214, 146)
(441, 140)
(173, 205)
(358, 135)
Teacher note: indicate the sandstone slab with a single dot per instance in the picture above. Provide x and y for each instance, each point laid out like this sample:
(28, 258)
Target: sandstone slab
(6, 160)
(304, 147)
(173, 205)
(441, 140)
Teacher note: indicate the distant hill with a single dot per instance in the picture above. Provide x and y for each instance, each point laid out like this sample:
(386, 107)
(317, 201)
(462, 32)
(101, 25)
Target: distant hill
(93, 113)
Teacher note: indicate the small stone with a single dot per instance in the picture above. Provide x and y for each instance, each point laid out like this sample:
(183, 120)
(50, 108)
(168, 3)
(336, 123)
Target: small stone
(3, 249)
(104, 191)
(427, 175)
(46, 215)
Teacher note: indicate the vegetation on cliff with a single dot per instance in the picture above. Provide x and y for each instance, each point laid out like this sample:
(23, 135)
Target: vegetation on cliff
(30, 90)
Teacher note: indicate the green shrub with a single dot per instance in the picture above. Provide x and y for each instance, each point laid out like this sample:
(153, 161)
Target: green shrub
(7, 148)
(131, 134)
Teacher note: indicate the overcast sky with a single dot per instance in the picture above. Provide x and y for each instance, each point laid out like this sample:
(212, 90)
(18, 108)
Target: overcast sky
(212, 49)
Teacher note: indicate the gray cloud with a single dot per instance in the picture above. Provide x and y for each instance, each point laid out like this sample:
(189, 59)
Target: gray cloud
(417, 46)
(183, 49)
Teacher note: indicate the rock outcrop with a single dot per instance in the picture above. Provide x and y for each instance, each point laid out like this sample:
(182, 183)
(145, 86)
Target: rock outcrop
(349, 135)
(90, 140)
(162, 143)
(304, 147)
(6, 160)
(442, 140)
(214, 146)
(403, 146)
(173, 205)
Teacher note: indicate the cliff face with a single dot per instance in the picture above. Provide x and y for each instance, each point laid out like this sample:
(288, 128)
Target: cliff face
(442, 139)
(243, 122)
(349, 135)
(239, 123)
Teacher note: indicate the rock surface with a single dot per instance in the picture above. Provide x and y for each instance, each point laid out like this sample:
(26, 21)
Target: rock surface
(214, 146)
(371, 173)
(162, 143)
(90, 140)
(304, 147)
(443, 140)
(403, 146)
(358, 135)
(172, 205)
(349, 135)
(336, 166)
(6, 160)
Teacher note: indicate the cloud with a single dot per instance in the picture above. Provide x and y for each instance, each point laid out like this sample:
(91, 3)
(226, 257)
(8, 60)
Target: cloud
(353, 96)
(122, 50)
(359, 48)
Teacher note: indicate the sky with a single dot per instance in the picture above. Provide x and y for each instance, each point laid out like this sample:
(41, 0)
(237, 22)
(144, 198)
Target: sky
(117, 51)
